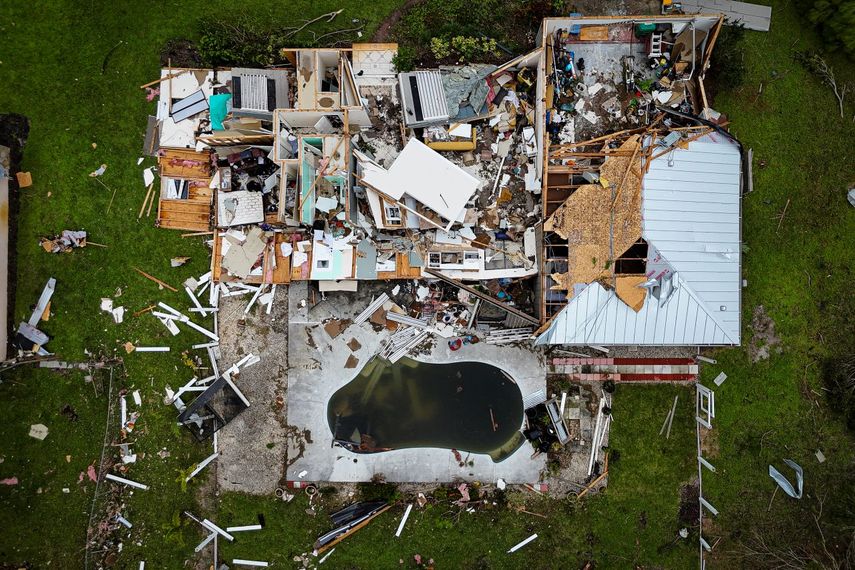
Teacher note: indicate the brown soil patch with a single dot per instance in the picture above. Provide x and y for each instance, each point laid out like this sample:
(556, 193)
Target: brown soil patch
(689, 507)
(709, 443)
(764, 341)
(384, 31)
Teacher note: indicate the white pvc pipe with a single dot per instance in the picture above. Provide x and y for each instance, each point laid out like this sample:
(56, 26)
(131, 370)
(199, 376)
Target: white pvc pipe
(523, 543)
(128, 482)
(404, 520)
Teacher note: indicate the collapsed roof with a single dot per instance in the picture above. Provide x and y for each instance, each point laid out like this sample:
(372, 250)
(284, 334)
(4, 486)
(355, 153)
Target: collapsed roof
(690, 289)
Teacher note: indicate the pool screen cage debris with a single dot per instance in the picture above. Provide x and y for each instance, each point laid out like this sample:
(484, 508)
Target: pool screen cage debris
(214, 408)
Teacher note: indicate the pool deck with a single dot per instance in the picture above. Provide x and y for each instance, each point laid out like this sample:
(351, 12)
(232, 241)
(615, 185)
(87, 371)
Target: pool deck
(315, 373)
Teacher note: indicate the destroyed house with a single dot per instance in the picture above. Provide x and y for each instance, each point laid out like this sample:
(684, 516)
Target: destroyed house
(642, 187)
(593, 164)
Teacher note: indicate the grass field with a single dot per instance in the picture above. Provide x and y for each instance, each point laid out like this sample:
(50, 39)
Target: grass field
(51, 71)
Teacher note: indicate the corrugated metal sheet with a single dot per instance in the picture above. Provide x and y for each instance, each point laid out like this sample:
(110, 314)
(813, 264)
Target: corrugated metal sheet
(598, 316)
(691, 215)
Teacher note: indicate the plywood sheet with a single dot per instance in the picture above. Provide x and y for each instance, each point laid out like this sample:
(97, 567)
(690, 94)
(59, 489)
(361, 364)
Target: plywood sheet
(594, 33)
(628, 290)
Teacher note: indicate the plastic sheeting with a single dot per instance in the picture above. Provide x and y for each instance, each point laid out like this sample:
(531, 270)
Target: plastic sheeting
(466, 89)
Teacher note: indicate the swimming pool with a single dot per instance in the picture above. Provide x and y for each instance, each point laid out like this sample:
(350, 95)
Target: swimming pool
(467, 406)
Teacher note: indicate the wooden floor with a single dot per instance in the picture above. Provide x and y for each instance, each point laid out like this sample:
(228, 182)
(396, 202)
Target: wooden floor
(403, 269)
(190, 215)
(194, 213)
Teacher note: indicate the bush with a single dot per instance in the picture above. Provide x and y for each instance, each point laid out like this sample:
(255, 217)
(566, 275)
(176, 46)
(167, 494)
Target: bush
(727, 68)
(405, 59)
(440, 48)
(835, 21)
(472, 48)
(237, 43)
(839, 376)
(461, 24)
(378, 491)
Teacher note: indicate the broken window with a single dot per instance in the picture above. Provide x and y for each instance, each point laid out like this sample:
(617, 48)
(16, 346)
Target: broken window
(393, 214)
(705, 406)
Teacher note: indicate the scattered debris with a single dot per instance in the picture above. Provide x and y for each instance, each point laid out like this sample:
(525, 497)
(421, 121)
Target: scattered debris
(65, 242)
(39, 431)
(348, 521)
(156, 280)
(254, 563)
(25, 179)
(403, 520)
(127, 482)
(783, 483)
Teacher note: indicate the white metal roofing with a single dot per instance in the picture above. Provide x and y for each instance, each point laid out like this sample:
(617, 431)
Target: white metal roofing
(427, 99)
(691, 215)
(598, 316)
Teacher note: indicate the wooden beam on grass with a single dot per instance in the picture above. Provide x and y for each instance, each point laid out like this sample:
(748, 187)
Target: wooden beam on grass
(145, 200)
(155, 279)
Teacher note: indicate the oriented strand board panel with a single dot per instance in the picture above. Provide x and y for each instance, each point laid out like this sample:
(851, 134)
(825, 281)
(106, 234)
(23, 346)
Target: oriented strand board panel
(586, 221)
(629, 292)
(594, 33)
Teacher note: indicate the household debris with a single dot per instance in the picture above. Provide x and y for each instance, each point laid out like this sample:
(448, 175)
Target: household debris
(349, 520)
(25, 179)
(64, 242)
(28, 337)
(127, 482)
(793, 491)
(521, 544)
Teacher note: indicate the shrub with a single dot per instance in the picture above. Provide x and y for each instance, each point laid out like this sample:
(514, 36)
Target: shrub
(440, 48)
(835, 20)
(471, 48)
(405, 59)
(237, 43)
(377, 491)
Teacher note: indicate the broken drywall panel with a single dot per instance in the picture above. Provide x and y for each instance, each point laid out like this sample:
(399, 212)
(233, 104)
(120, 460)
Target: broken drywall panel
(366, 260)
(240, 258)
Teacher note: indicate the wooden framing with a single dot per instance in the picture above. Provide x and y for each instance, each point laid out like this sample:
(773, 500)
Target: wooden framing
(194, 212)
(487, 298)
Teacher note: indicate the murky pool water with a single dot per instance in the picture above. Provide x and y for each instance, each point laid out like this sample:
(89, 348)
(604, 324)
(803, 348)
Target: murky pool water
(468, 406)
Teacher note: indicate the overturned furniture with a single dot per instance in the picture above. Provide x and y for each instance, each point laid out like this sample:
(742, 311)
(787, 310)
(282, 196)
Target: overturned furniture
(219, 404)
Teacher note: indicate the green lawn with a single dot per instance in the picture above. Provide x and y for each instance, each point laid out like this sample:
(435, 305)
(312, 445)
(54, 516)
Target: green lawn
(51, 72)
(802, 275)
